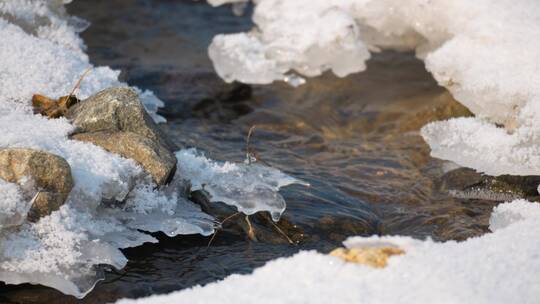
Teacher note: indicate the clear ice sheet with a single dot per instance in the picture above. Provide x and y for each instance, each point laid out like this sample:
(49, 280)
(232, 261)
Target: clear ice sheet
(62, 250)
(249, 187)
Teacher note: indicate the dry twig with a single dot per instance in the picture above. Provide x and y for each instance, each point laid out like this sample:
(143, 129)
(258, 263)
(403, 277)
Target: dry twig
(220, 224)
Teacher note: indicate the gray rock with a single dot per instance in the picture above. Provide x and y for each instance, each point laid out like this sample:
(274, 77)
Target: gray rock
(50, 174)
(116, 109)
(156, 159)
(116, 120)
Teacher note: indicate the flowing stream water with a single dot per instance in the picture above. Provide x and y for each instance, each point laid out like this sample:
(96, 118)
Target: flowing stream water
(354, 139)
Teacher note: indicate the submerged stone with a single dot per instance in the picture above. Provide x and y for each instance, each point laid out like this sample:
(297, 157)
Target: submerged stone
(442, 107)
(50, 173)
(156, 159)
(464, 183)
(376, 257)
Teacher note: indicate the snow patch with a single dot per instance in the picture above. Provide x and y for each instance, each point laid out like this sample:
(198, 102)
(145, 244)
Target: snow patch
(42, 54)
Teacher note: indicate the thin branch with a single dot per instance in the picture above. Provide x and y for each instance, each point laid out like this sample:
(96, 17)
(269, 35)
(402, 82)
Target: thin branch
(221, 224)
(78, 83)
(282, 233)
(251, 231)
(248, 138)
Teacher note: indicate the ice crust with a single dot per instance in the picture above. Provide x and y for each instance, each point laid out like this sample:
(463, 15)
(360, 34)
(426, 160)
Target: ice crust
(486, 53)
(498, 267)
(478, 144)
(41, 52)
(249, 187)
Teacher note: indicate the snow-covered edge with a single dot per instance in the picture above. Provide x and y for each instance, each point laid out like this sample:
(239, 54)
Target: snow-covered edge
(498, 267)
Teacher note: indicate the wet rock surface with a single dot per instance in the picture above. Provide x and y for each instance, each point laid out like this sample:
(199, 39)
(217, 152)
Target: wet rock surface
(464, 183)
(116, 120)
(50, 174)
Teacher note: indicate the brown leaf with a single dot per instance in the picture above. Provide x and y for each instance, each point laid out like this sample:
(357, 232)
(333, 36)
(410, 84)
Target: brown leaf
(376, 257)
(53, 108)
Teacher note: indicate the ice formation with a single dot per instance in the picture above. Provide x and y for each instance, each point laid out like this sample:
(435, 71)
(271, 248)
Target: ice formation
(498, 267)
(484, 52)
(481, 145)
(249, 187)
(41, 52)
(61, 250)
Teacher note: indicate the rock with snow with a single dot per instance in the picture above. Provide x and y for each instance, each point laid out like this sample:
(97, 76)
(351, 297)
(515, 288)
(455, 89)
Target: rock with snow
(51, 175)
(42, 54)
(157, 160)
(116, 120)
(116, 109)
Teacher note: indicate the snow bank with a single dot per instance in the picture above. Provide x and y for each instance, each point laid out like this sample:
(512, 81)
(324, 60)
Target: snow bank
(41, 52)
(499, 267)
(486, 53)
